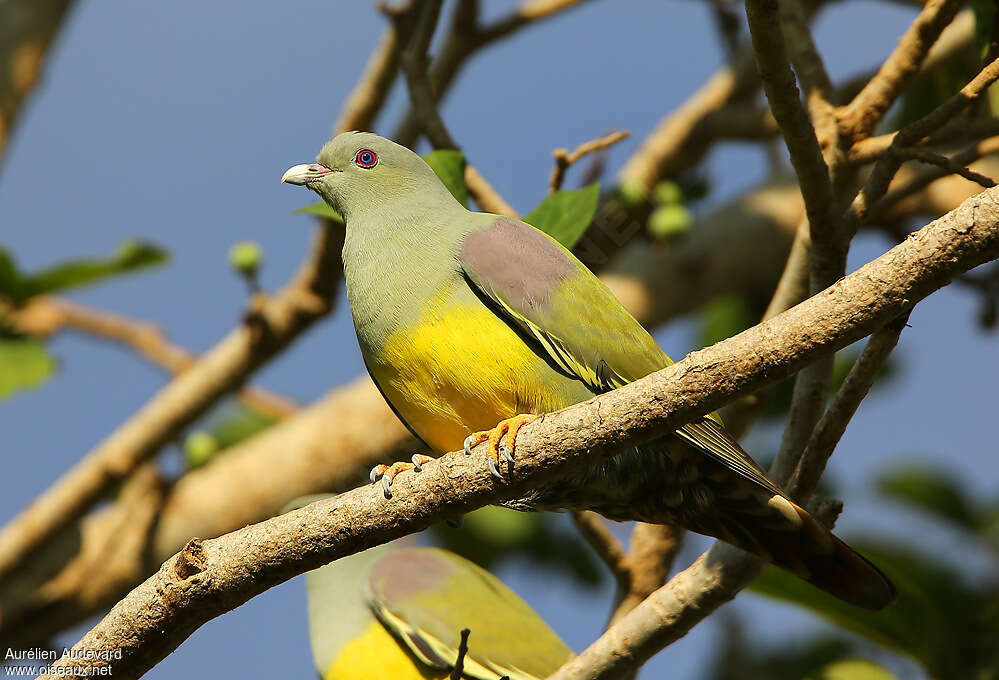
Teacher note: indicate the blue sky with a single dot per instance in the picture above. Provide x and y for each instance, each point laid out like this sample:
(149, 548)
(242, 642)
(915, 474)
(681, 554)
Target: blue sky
(173, 122)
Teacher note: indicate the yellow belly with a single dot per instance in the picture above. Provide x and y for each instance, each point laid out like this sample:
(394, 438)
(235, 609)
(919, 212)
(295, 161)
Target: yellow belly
(463, 369)
(376, 654)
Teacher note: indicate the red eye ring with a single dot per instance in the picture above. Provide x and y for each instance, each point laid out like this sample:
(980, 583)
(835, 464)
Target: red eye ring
(366, 158)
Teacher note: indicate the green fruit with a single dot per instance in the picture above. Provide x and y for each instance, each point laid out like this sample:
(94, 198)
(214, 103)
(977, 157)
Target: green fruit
(668, 193)
(246, 257)
(199, 448)
(633, 193)
(670, 221)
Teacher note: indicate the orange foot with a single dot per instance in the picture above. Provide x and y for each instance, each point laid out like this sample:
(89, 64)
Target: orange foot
(389, 472)
(509, 427)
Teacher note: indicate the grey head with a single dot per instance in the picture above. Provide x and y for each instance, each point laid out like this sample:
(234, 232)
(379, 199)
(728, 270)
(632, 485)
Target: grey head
(358, 173)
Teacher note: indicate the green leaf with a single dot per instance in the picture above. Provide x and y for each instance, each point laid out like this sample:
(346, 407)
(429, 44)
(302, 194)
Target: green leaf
(130, 256)
(450, 167)
(24, 363)
(566, 214)
(853, 669)
(932, 492)
(319, 209)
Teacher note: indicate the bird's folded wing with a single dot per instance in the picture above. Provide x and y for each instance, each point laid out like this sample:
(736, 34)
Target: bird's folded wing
(426, 596)
(569, 315)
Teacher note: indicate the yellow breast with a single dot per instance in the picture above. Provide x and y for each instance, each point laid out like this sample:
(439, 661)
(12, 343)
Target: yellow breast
(460, 369)
(376, 654)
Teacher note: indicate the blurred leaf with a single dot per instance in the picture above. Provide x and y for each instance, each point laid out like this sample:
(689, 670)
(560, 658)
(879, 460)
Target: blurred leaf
(985, 24)
(11, 281)
(853, 669)
(24, 363)
(493, 534)
(780, 400)
(724, 317)
(738, 658)
(937, 619)
(929, 90)
(566, 214)
(450, 167)
(930, 491)
(230, 426)
(130, 256)
(319, 209)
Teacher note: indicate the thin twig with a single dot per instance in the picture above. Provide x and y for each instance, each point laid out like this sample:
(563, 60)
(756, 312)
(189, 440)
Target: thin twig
(948, 164)
(210, 577)
(564, 158)
(459, 664)
(364, 102)
(843, 407)
(414, 64)
(44, 316)
(870, 105)
(27, 29)
(889, 162)
(465, 38)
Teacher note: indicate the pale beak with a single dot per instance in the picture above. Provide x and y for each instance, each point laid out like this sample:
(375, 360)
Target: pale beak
(305, 173)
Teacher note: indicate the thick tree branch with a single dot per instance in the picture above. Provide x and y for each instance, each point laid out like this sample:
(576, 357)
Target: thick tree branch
(278, 322)
(328, 446)
(210, 577)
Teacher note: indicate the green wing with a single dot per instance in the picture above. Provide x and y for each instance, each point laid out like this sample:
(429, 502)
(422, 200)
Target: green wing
(566, 311)
(426, 596)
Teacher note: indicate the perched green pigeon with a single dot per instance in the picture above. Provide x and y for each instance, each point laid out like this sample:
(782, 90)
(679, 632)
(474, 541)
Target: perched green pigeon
(468, 319)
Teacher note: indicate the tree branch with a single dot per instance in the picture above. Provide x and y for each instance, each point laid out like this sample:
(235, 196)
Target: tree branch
(44, 316)
(210, 577)
(833, 424)
(563, 157)
(870, 105)
(303, 301)
(364, 102)
(465, 37)
(27, 29)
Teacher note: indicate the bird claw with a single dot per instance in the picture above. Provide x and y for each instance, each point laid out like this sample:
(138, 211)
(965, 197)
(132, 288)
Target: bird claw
(388, 473)
(493, 469)
(505, 431)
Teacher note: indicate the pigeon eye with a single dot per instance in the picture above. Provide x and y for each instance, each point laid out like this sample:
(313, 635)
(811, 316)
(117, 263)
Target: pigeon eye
(366, 158)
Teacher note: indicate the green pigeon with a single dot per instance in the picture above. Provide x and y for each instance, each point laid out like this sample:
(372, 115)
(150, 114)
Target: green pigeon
(468, 319)
(392, 612)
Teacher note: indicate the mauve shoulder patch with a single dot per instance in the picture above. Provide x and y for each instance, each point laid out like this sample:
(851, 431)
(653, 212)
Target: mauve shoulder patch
(516, 263)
